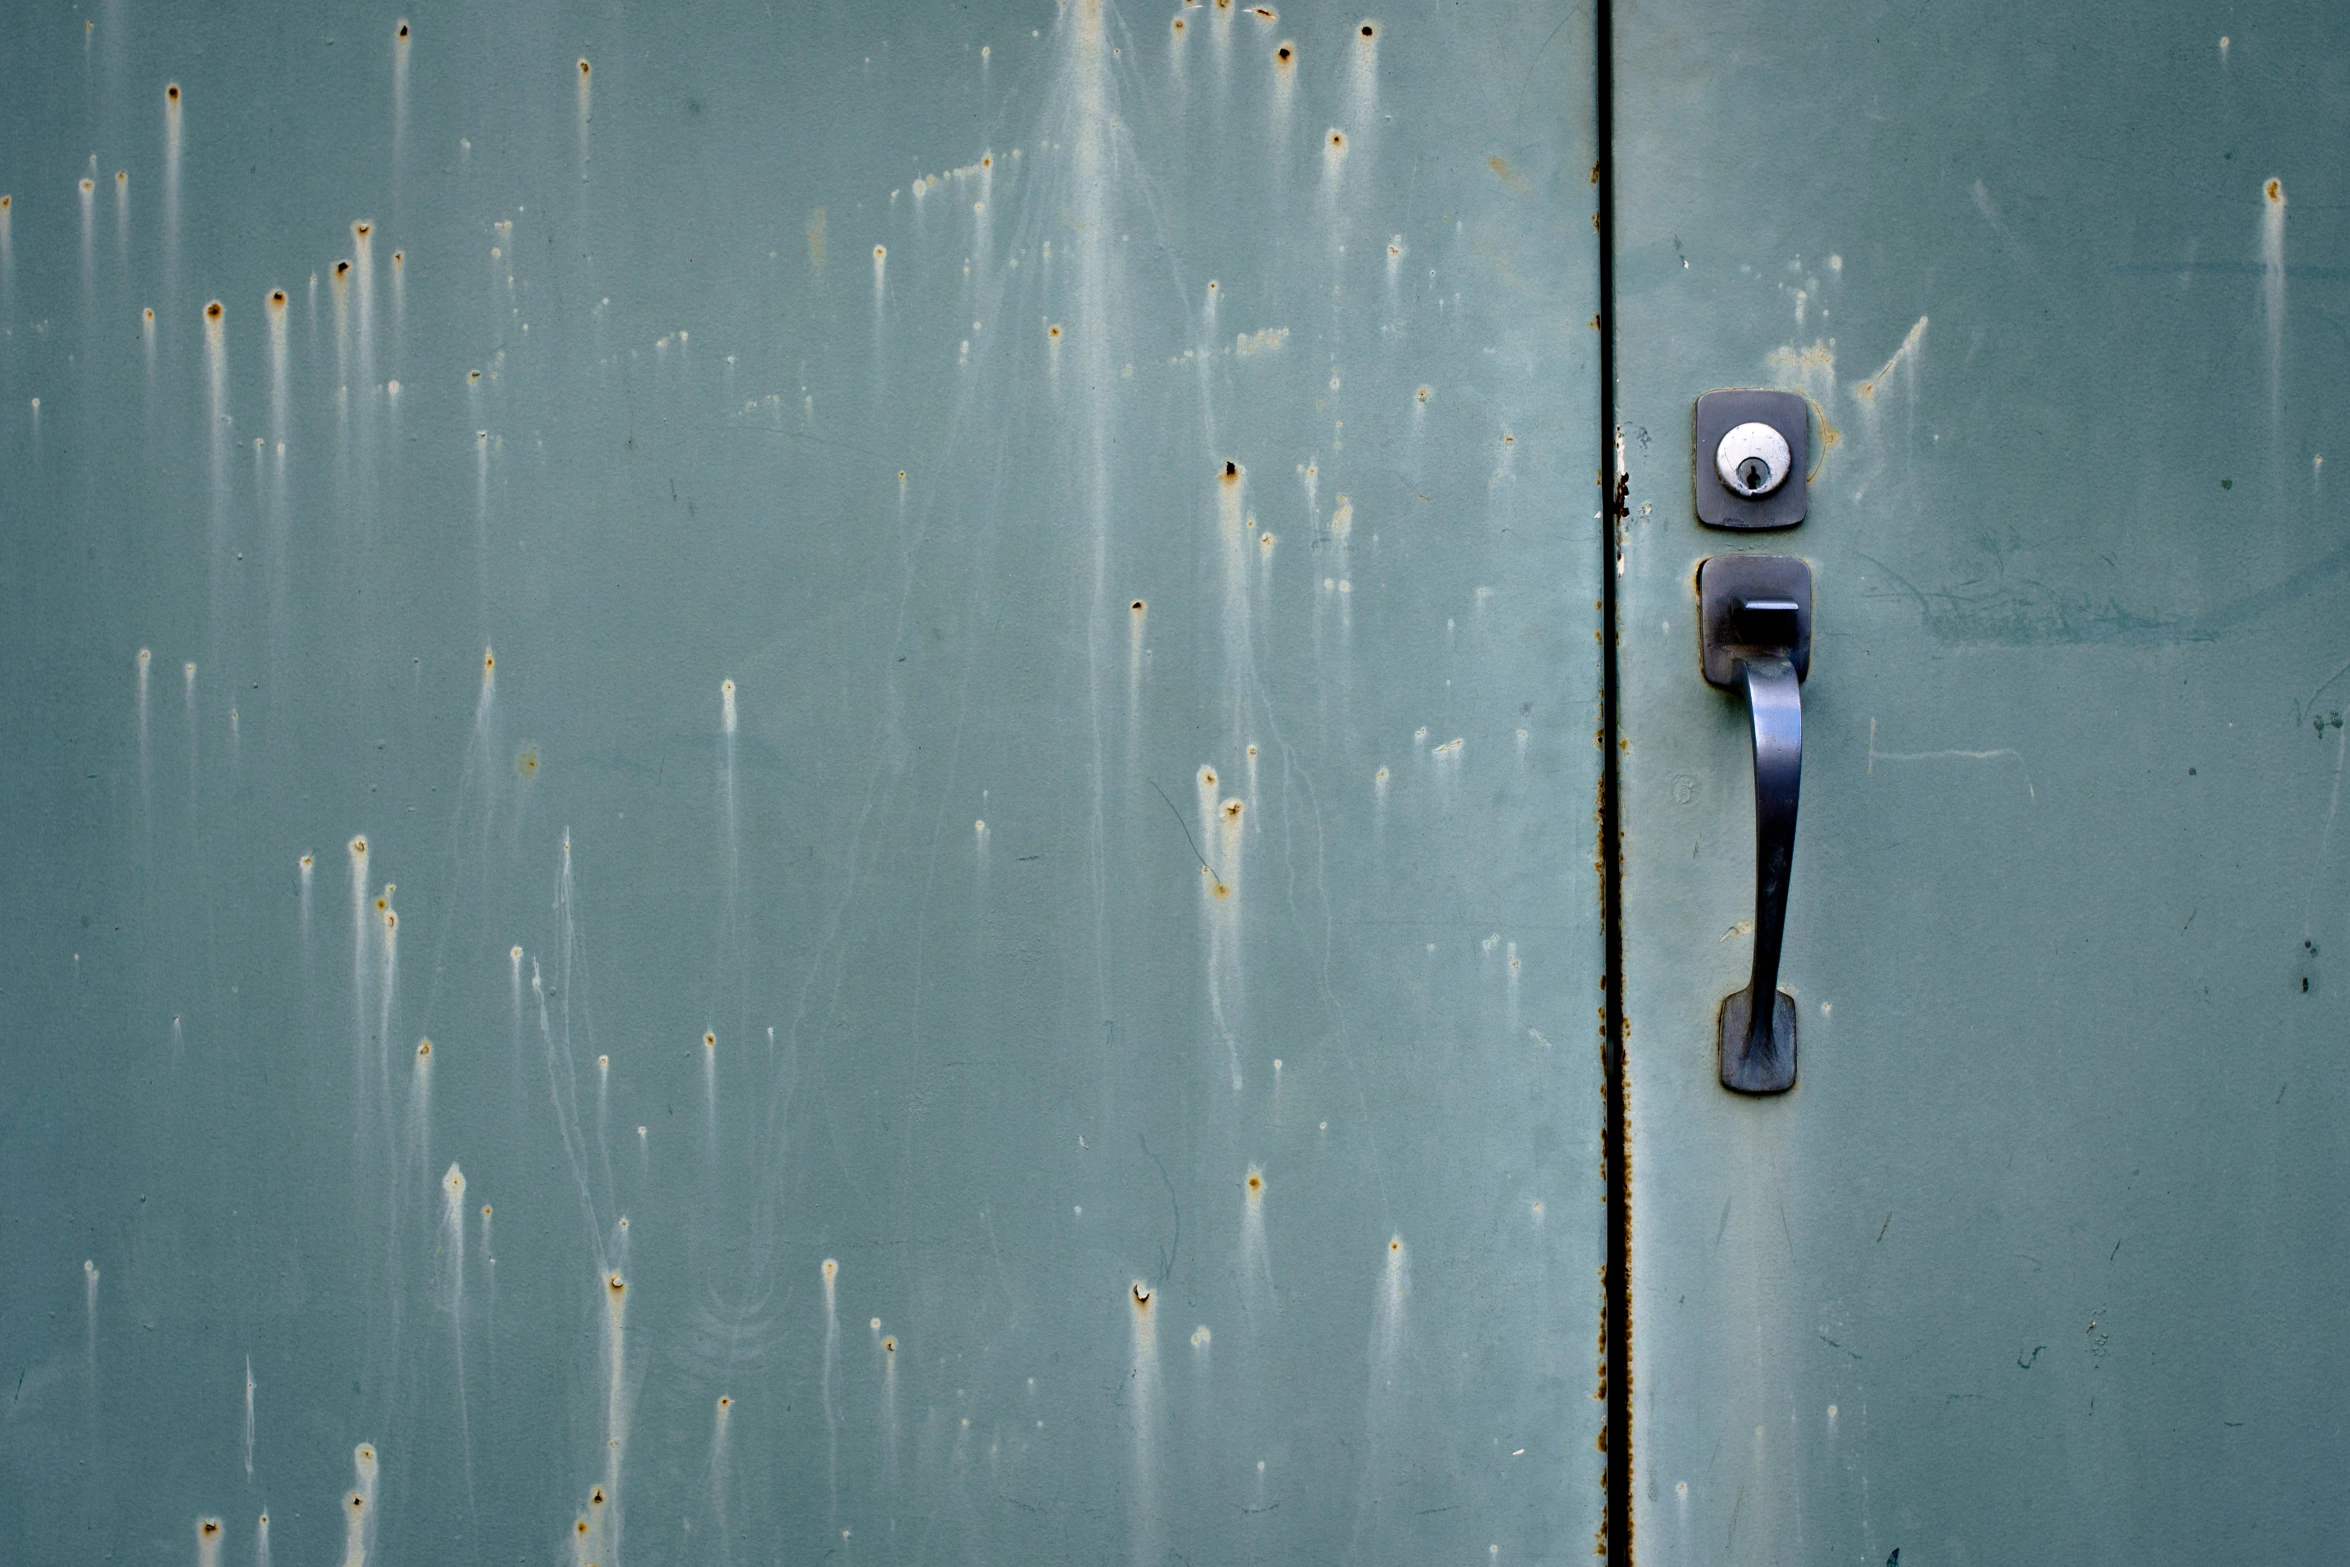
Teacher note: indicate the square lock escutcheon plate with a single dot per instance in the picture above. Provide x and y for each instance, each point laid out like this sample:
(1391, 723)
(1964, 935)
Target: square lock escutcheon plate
(1749, 458)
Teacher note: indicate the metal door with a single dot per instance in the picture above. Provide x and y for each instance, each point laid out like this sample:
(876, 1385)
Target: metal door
(2041, 1256)
(796, 782)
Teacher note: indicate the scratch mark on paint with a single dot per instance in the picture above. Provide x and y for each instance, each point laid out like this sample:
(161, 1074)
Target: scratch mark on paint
(1875, 756)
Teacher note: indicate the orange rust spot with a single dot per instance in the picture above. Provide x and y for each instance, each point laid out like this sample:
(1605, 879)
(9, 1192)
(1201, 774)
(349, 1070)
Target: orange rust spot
(489, 660)
(1179, 27)
(402, 34)
(617, 1285)
(889, 1346)
(1137, 606)
(1256, 1182)
(596, 1497)
(1395, 1245)
(485, 1210)
(1231, 469)
(342, 269)
(1510, 178)
(473, 375)
(212, 311)
(391, 920)
(1207, 775)
(1142, 1295)
(1370, 29)
(424, 1048)
(358, 845)
(88, 185)
(208, 1527)
(1337, 141)
(148, 313)
(1232, 810)
(172, 92)
(1053, 332)
(581, 1526)
(709, 1041)
(382, 904)
(2276, 190)
(399, 258)
(277, 297)
(122, 176)
(1284, 55)
(1264, 13)
(362, 228)
(987, 160)
(354, 1501)
(724, 1403)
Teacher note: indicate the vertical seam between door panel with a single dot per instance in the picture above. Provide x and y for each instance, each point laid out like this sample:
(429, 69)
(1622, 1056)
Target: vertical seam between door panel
(1616, 1316)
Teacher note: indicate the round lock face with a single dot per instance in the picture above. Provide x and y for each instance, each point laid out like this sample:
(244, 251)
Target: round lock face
(1752, 460)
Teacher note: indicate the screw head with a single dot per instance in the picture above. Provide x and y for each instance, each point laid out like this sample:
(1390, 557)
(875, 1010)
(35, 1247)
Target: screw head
(1752, 461)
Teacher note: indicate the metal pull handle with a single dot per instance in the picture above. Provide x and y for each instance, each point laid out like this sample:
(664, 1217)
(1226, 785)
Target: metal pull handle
(1755, 612)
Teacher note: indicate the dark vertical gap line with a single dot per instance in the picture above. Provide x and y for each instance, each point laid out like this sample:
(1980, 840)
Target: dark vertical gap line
(1617, 1145)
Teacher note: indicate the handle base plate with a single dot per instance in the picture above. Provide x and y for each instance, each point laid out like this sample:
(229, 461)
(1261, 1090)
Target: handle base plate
(1749, 1071)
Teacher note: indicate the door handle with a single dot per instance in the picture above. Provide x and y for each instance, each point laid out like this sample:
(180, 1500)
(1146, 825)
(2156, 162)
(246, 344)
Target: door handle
(1754, 615)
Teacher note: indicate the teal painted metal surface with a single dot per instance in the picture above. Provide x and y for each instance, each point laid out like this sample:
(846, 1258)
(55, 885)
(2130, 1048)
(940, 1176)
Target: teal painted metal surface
(996, 987)
(2041, 1258)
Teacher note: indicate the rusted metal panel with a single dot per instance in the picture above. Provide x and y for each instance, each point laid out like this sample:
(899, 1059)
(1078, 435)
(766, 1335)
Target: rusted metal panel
(2040, 1257)
(941, 653)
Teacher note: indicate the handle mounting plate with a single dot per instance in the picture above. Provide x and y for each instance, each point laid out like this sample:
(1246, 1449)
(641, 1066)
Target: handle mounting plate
(1729, 630)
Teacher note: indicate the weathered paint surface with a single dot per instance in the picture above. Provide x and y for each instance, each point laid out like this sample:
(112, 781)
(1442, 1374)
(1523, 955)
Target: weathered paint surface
(2042, 1258)
(797, 781)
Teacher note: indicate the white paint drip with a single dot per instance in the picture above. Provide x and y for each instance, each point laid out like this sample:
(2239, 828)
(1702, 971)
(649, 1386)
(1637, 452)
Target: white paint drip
(400, 34)
(90, 1333)
(453, 1250)
(89, 209)
(2272, 292)
(721, 1464)
(1256, 1262)
(171, 194)
(831, 1273)
(359, 1508)
(1143, 1528)
(144, 663)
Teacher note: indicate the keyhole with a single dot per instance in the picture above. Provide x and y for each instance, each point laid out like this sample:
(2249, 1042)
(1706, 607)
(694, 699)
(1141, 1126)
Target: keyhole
(1753, 460)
